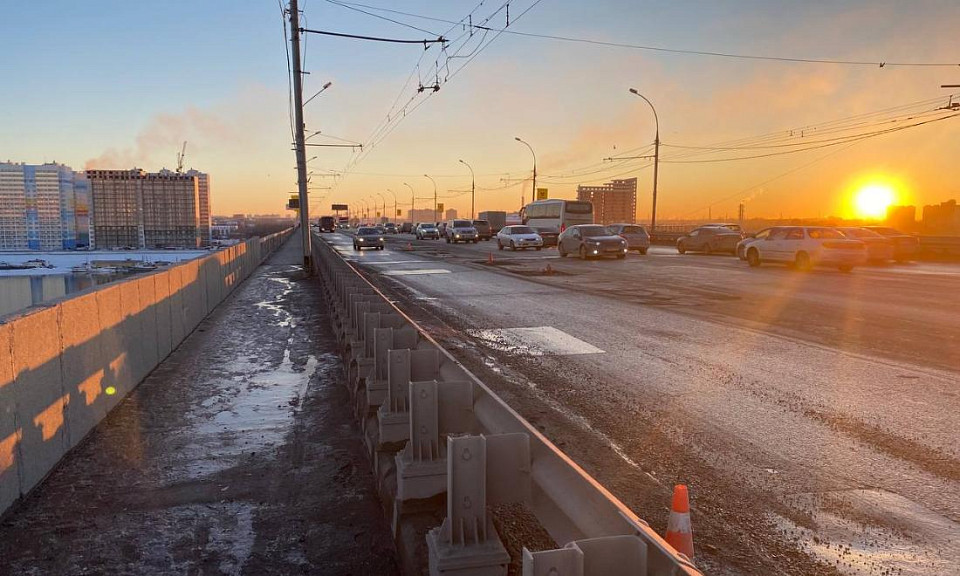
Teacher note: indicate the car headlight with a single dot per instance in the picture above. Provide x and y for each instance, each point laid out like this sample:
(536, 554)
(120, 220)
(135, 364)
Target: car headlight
(359, 239)
(381, 239)
(456, 235)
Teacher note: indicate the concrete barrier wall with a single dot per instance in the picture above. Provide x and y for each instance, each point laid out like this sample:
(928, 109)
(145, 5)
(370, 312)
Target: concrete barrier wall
(65, 365)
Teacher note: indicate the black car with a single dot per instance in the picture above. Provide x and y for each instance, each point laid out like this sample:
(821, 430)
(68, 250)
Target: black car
(550, 235)
(590, 241)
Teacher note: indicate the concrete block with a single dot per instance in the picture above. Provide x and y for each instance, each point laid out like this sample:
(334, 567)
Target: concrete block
(211, 281)
(9, 423)
(112, 346)
(194, 294)
(148, 323)
(161, 282)
(84, 366)
(131, 335)
(178, 311)
(38, 394)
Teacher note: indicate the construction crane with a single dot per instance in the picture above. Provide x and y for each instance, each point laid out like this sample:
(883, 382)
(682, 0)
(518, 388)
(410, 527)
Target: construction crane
(180, 157)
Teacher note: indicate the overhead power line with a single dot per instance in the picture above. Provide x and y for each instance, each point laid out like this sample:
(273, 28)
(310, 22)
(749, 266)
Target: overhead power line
(373, 38)
(680, 51)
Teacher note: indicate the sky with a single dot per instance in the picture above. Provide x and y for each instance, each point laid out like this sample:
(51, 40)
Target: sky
(117, 84)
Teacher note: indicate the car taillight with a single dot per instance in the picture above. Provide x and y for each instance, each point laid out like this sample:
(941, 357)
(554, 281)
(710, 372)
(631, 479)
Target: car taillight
(844, 245)
(563, 227)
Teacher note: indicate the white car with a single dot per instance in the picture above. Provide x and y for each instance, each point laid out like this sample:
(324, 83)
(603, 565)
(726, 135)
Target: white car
(518, 238)
(807, 246)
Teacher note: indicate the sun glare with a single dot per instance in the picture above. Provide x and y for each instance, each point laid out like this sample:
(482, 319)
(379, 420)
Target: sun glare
(873, 199)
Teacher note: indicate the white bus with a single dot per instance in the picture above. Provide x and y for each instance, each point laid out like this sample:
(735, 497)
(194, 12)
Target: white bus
(556, 215)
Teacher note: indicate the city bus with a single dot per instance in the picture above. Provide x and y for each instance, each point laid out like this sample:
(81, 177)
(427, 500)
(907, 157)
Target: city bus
(556, 215)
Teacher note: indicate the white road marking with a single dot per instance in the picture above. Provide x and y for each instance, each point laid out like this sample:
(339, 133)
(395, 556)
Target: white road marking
(384, 262)
(534, 341)
(415, 272)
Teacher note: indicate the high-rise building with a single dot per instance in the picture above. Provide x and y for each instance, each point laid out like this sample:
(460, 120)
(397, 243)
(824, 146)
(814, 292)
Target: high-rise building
(422, 215)
(943, 218)
(451, 214)
(38, 207)
(613, 202)
(206, 205)
(144, 210)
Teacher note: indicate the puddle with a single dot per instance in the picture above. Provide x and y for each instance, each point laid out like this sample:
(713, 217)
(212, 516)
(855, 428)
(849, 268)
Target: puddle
(249, 416)
(286, 318)
(873, 532)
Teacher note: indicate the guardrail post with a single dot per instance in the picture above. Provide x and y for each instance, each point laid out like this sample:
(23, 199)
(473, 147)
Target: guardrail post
(481, 470)
(436, 410)
(606, 556)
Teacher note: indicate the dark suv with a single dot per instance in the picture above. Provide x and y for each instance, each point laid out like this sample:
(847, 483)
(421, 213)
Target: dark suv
(483, 229)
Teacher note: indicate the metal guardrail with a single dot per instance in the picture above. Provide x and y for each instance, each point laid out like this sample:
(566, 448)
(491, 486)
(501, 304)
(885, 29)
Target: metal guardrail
(434, 428)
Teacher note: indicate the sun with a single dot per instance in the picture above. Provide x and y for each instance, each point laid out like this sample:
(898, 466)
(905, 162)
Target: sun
(872, 200)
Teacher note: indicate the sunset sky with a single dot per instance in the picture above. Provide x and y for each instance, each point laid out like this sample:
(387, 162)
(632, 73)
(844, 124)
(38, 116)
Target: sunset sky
(117, 84)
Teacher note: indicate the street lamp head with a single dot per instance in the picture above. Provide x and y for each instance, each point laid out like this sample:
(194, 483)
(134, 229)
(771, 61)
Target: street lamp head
(327, 85)
(517, 138)
(634, 91)
(461, 161)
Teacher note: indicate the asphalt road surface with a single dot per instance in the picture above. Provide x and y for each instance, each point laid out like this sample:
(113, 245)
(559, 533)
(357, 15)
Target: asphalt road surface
(814, 415)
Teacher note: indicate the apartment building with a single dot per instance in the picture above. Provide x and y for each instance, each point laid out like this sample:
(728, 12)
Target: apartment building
(38, 207)
(206, 205)
(133, 208)
(613, 202)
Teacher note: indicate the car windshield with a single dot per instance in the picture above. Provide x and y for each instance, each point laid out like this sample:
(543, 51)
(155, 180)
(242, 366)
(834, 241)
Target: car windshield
(462, 224)
(521, 230)
(428, 227)
(886, 231)
(824, 234)
(592, 231)
(634, 230)
(367, 232)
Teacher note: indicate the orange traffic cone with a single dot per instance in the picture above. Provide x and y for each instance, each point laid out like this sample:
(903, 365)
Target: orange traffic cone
(409, 246)
(489, 257)
(679, 529)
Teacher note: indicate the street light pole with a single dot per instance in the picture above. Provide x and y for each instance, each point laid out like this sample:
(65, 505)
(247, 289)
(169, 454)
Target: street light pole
(473, 191)
(413, 201)
(383, 214)
(533, 193)
(656, 159)
(435, 215)
(301, 149)
(395, 209)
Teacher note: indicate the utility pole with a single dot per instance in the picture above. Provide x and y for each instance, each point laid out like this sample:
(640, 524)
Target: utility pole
(301, 150)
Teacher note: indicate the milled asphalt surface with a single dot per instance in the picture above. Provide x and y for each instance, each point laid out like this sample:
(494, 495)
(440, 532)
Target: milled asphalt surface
(814, 415)
(237, 455)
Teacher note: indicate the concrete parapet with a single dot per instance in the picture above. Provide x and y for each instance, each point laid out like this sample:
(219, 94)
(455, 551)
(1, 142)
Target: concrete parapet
(65, 365)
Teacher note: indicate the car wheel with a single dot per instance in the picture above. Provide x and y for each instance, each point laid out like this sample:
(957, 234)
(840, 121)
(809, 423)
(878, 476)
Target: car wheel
(753, 258)
(513, 246)
(621, 256)
(583, 253)
(538, 248)
(708, 250)
(448, 239)
(561, 252)
(355, 247)
(499, 245)
(846, 268)
(681, 249)
(642, 251)
(802, 261)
